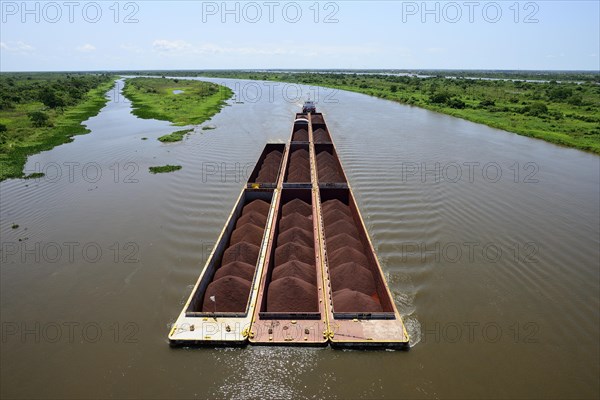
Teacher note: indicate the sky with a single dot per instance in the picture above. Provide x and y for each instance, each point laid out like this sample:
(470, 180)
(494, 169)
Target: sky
(133, 35)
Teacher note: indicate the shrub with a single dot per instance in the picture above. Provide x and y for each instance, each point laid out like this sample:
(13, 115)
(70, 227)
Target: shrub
(559, 93)
(456, 103)
(575, 100)
(51, 99)
(439, 97)
(536, 109)
(38, 118)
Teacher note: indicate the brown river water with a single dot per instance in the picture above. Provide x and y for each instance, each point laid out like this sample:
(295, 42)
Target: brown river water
(489, 242)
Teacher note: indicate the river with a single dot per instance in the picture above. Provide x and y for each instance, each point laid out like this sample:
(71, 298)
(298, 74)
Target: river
(489, 242)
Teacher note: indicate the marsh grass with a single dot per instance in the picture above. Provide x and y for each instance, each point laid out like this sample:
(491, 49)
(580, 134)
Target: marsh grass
(175, 136)
(153, 98)
(35, 175)
(164, 168)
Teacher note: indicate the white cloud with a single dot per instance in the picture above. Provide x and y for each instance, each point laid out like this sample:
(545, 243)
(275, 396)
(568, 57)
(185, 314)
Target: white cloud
(246, 50)
(182, 47)
(16, 47)
(170, 46)
(86, 48)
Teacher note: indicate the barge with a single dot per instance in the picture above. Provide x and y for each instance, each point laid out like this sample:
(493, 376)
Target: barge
(294, 264)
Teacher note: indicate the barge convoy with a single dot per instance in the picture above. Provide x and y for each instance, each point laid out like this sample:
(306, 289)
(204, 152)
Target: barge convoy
(294, 264)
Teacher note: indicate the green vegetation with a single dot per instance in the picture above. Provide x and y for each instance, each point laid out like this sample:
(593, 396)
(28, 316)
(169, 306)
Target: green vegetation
(165, 168)
(565, 113)
(39, 111)
(154, 98)
(572, 76)
(15, 226)
(34, 175)
(175, 136)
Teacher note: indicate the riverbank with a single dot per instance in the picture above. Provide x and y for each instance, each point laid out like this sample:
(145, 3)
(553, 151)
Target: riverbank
(182, 102)
(565, 113)
(41, 111)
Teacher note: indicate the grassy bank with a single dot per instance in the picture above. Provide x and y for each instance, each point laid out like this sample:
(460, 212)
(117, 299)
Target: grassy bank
(39, 111)
(565, 113)
(192, 103)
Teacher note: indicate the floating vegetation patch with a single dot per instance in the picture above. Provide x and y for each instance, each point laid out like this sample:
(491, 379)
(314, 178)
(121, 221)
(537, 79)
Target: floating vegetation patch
(164, 168)
(176, 136)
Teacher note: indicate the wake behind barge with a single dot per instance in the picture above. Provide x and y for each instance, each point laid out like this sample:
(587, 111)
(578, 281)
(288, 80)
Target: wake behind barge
(294, 264)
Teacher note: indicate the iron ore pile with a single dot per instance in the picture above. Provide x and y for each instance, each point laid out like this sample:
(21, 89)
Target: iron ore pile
(293, 282)
(321, 135)
(231, 283)
(327, 168)
(352, 281)
(299, 168)
(270, 167)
